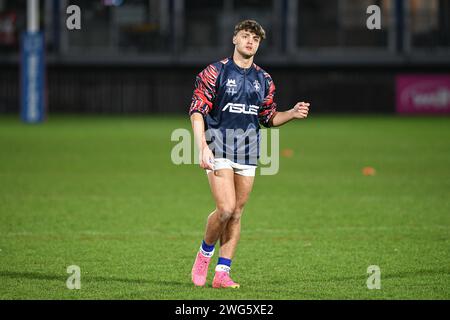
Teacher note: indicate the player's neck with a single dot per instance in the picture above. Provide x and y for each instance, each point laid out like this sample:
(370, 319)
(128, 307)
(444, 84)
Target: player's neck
(241, 61)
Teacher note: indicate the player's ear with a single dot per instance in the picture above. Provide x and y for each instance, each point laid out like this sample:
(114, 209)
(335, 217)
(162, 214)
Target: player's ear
(234, 40)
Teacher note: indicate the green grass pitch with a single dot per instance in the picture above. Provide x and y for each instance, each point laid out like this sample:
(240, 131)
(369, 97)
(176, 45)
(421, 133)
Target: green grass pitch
(102, 193)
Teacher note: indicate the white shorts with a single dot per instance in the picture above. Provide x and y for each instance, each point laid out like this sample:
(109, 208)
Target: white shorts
(241, 169)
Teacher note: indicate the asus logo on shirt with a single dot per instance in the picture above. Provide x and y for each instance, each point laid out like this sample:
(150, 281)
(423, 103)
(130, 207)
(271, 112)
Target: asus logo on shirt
(241, 108)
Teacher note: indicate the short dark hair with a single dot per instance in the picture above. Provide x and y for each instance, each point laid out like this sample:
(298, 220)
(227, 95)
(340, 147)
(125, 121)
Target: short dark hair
(252, 26)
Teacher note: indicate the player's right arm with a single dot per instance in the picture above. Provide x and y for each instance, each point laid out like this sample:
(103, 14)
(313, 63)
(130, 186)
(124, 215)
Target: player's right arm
(205, 155)
(201, 105)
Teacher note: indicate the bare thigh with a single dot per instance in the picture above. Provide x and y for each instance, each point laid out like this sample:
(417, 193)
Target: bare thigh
(243, 186)
(222, 187)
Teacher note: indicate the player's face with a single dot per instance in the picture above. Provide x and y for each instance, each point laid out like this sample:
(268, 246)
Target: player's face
(246, 43)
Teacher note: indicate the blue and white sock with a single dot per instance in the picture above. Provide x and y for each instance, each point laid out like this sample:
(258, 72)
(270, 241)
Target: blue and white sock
(223, 264)
(206, 249)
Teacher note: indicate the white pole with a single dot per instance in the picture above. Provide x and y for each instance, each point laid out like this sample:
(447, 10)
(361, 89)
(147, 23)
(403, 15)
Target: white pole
(32, 16)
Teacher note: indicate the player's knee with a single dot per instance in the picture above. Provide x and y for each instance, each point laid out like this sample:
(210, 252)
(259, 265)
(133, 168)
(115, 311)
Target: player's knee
(225, 211)
(225, 215)
(237, 213)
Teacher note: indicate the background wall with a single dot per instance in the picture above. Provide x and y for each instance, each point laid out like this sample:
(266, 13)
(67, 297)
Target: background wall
(120, 89)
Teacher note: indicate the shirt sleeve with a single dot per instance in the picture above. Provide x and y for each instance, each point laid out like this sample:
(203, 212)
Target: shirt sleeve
(204, 91)
(268, 108)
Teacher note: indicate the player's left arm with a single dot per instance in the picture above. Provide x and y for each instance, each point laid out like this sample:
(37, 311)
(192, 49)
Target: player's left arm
(268, 114)
(299, 111)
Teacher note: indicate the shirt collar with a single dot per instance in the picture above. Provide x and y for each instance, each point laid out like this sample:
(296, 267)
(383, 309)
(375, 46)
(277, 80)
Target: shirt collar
(242, 70)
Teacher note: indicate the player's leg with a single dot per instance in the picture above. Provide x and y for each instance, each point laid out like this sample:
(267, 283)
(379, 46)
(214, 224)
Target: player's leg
(230, 236)
(222, 188)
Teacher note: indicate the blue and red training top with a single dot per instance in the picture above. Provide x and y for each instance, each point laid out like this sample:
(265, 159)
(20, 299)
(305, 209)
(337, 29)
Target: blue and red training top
(234, 102)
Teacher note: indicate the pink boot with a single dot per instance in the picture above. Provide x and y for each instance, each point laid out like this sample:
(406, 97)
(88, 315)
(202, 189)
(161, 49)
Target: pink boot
(200, 269)
(222, 280)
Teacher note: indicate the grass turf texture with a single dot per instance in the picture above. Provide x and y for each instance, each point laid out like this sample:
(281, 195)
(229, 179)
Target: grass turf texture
(102, 193)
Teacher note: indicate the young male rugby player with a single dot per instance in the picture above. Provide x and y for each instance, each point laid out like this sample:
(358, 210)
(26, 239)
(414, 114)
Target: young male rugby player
(231, 99)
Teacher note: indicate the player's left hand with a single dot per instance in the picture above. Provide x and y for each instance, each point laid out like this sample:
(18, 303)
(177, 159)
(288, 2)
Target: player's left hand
(300, 110)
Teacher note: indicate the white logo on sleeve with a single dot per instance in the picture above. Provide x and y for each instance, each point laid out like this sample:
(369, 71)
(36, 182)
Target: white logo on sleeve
(241, 108)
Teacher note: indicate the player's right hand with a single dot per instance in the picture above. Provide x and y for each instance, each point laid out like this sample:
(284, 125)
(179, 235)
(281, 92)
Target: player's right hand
(206, 158)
